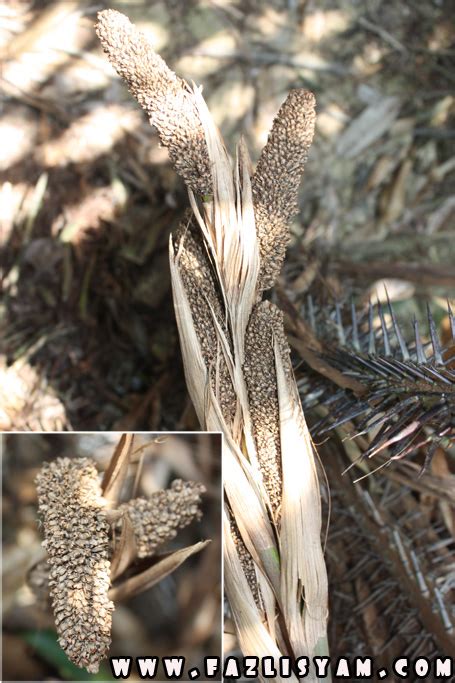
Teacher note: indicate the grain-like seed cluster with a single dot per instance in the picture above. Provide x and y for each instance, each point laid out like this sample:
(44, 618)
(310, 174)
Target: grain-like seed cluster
(77, 542)
(157, 519)
(166, 98)
(265, 325)
(203, 296)
(276, 180)
(246, 561)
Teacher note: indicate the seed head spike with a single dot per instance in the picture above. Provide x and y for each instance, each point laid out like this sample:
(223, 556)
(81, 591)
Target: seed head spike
(276, 181)
(77, 543)
(398, 333)
(157, 519)
(371, 340)
(421, 358)
(385, 334)
(434, 338)
(166, 98)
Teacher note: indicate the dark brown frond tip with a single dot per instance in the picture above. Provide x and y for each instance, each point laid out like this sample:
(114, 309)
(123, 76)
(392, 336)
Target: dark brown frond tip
(166, 98)
(277, 178)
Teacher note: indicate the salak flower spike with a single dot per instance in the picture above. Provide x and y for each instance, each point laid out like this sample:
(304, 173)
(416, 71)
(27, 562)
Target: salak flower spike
(226, 252)
(77, 543)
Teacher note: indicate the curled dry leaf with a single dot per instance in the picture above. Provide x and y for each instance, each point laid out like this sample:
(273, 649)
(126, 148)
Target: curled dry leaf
(148, 578)
(125, 550)
(116, 472)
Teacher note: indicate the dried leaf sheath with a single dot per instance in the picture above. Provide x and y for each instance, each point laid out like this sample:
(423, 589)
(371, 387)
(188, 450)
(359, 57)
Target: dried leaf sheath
(77, 542)
(254, 479)
(255, 639)
(303, 567)
(204, 300)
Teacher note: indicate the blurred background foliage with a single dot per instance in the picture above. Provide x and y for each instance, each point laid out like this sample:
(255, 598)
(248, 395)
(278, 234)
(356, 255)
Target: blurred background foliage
(180, 615)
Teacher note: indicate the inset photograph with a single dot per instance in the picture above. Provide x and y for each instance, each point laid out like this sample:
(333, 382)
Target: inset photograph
(111, 550)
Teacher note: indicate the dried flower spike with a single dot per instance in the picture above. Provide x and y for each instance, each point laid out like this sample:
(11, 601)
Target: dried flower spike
(277, 178)
(77, 542)
(166, 98)
(235, 355)
(157, 519)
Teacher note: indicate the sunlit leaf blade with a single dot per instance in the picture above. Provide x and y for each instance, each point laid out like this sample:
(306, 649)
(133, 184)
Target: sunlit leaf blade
(254, 637)
(303, 567)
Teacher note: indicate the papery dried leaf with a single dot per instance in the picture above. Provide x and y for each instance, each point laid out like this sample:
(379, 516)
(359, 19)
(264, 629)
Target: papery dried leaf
(156, 573)
(125, 551)
(193, 361)
(229, 228)
(117, 469)
(303, 567)
(205, 301)
(254, 638)
(250, 514)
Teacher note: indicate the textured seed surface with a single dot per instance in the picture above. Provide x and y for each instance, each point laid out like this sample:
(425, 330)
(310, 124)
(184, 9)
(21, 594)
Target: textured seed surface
(77, 542)
(246, 561)
(165, 97)
(203, 297)
(265, 325)
(276, 180)
(275, 184)
(157, 519)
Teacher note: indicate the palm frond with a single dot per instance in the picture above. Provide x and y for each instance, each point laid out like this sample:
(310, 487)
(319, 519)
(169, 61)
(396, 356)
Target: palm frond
(407, 385)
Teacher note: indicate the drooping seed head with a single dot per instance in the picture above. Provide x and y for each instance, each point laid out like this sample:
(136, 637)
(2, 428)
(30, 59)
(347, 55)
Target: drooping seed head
(157, 519)
(77, 542)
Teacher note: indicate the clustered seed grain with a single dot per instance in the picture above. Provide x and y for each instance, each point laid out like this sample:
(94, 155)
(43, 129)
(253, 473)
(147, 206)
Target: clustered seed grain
(276, 181)
(77, 542)
(246, 561)
(157, 519)
(203, 295)
(266, 323)
(165, 97)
